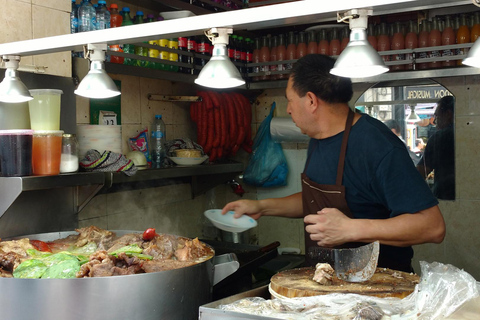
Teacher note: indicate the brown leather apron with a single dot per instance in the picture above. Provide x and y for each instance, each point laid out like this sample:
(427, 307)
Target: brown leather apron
(316, 196)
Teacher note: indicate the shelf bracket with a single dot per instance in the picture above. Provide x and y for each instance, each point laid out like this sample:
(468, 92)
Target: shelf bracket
(203, 183)
(158, 97)
(10, 189)
(83, 195)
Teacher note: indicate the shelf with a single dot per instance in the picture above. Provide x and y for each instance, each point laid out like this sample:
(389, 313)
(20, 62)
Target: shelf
(88, 184)
(12, 187)
(202, 177)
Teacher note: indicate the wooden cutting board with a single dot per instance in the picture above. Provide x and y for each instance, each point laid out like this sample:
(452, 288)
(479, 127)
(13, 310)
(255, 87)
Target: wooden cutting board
(384, 283)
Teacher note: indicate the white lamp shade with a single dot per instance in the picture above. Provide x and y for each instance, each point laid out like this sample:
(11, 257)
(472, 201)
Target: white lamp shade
(97, 84)
(12, 89)
(473, 57)
(219, 72)
(359, 59)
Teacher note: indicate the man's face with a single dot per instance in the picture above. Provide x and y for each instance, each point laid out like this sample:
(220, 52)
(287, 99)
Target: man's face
(295, 107)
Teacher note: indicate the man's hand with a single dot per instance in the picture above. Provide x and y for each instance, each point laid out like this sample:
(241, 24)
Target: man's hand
(329, 227)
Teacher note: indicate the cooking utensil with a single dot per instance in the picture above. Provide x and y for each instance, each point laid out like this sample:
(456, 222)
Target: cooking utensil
(172, 294)
(228, 222)
(350, 264)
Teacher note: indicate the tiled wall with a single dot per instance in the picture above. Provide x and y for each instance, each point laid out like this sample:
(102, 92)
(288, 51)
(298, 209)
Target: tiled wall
(169, 209)
(32, 19)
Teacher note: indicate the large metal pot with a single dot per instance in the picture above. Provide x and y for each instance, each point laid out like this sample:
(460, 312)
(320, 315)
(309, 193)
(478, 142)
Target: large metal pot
(172, 294)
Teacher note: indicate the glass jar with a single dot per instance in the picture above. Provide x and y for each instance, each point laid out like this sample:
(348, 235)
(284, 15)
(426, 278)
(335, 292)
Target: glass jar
(69, 159)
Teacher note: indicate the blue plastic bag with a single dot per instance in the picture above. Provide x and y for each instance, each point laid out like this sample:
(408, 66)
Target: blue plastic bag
(267, 166)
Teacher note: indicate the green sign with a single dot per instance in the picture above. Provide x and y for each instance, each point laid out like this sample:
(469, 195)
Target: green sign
(101, 110)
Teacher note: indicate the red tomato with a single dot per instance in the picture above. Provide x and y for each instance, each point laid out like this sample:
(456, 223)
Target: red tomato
(40, 245)
(149, 234)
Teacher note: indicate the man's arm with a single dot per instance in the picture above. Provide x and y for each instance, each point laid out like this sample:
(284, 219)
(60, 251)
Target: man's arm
(290, 207)
(330, 227)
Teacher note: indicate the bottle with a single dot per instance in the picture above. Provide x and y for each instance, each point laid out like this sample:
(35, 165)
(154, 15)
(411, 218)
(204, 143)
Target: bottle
(334, 46)
(291, 50)
(423, 43)
(157, 142)
(312, 46)
(383, 40)
(345, 38)
(448, 38)
(182, 46)
(232, 47)
(241, 48)
(434, 39)
(192, 48)
(411, 42)
(152, 52)
(87, 20)
(115, 22)
(371, 38)
(256, 59)
(103, 16)
(74, 18)
(273, 57)
(128, 48)
(475, 30)
(139, 50)
(163, 54)
(264, 57)
(248, 55)
(398, 43)
(203, 49)
(69, 156)
(323, 45)
(173, 56)
(281, 54)
(301, 49)
(463, 36)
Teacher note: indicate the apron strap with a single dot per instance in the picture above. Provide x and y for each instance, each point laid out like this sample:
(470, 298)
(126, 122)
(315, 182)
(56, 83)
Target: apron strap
(343, 149)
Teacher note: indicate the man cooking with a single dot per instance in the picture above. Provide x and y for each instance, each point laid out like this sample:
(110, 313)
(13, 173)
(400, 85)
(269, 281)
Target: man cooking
(359, 184)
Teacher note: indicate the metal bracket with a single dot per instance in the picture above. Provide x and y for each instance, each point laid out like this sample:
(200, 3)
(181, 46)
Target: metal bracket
(158, 97)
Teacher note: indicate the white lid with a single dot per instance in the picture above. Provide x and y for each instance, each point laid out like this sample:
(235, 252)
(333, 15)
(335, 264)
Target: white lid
(16, 131)
(48, 132)
(37, 92)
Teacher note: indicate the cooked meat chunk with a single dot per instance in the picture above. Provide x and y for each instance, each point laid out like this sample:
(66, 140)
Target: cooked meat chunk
(192, 250)
(323, 273)
(161, 247)
(131, 238)
(102, 264)
(9, 260)
(18, 246)
(101, 237)
(5, 274)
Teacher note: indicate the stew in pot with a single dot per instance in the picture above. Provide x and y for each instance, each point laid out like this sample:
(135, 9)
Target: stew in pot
(95, 252)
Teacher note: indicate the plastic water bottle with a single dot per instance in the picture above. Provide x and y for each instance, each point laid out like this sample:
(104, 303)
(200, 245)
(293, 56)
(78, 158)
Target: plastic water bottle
(103, 16)
(74, 18)
(87, 19)
(157, 142)
(128, 48)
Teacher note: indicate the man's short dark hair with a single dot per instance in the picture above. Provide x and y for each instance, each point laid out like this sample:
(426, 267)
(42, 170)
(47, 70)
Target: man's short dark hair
(446, 104)
(312, 73)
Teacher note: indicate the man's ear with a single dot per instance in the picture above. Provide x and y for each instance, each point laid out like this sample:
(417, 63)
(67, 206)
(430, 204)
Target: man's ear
(311, 101)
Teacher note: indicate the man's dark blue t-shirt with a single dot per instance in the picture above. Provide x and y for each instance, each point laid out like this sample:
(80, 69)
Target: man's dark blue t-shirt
(379, 177)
